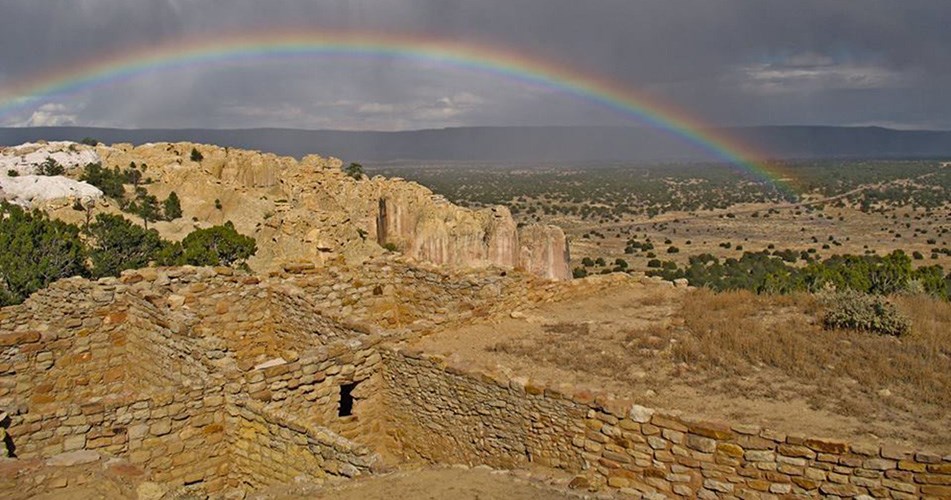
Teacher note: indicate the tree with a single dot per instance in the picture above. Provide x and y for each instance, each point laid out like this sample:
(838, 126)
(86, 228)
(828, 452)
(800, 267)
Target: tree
(51, 167)
(108, 181)
(120, 245)
(196, 156)
(354, 170)
(218, 245)
(145, 206)
(133, 175)
(34, 252)
(172, 207)
(89, 141)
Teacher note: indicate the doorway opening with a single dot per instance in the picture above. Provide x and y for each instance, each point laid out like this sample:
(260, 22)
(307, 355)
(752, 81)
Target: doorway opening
(346, 400)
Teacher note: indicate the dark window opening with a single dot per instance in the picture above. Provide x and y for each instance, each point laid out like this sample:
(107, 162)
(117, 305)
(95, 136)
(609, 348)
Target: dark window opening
(346, 400)
(7, 449)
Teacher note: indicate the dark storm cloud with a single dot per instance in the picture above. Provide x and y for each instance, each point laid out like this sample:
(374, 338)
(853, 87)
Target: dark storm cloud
(727, 61)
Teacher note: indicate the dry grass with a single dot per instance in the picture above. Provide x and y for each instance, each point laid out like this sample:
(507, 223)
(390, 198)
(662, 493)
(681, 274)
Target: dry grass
(737, 332)
(761, 349)
(576, 346)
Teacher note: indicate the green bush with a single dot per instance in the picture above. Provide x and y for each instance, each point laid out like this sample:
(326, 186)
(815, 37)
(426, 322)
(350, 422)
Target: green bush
(172, 207)
(34, 252)
(354, 170)
(51, 167)
(217, 246)
(108, 181)
(120, 245)
(858, 311)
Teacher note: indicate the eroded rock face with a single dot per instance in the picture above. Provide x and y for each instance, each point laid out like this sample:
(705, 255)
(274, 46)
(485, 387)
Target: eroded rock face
(544, 252)
(310, 211)
(442, 233)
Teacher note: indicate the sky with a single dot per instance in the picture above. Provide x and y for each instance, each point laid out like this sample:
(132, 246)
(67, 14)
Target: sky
(725, 62)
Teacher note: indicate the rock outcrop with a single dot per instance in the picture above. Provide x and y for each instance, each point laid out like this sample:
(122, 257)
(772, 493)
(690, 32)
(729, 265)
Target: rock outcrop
(544, 252)
(19, 165)
(433, 230)
(311, 211)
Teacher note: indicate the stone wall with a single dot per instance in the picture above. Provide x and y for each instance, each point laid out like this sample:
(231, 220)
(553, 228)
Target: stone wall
(271, 447)
(185, 372)
(310, 387)
(395, 293)
(451, 414)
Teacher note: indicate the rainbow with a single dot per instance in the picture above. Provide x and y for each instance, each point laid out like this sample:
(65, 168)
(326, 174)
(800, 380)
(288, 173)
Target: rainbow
(483, 58)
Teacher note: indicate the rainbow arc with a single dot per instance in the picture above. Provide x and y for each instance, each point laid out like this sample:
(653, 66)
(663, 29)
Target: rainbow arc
(504, 62)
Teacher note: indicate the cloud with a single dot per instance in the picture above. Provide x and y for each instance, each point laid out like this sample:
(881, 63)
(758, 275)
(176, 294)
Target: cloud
(726, 62)
(51, 115)
(804, 73)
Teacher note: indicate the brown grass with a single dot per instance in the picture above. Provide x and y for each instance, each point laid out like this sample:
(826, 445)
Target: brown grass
(736, 332)
(773, 349)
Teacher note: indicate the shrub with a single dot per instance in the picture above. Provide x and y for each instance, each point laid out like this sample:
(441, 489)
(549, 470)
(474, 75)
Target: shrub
(196, 156)
(34, 252)
(172, 207)
(579, 272)
(120, 245)
(859, 311)
(89, 141)
(673, 250)
(51, 167)
(354, 170)
(12, 173)
(217, 246)
(108, 181)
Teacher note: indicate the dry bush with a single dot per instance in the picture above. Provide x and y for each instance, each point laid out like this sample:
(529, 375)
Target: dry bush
(739, 331)
(853, 310)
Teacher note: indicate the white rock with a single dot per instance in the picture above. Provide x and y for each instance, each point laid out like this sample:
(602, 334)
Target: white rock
(270, 363)
(32, 189)
(25, 158)
(640, 414)
(73, 458)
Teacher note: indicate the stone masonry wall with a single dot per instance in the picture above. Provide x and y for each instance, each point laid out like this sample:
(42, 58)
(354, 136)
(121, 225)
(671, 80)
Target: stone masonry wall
(310, 387)
(452, 414)
(272, 447)
(395, 293)
(153, 366)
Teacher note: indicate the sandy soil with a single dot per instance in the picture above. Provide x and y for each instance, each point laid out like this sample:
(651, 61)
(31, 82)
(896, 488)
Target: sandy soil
(609, 356)
(434, 484)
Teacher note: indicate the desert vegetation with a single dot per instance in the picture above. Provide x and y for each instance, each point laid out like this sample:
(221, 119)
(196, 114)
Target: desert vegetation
(36, 250)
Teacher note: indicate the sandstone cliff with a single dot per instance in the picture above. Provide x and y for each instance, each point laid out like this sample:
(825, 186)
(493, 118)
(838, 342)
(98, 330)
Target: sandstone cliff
(310, 211)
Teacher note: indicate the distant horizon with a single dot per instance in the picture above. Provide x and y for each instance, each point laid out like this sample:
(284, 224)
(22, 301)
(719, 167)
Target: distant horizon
(516, 144)
(462, 127)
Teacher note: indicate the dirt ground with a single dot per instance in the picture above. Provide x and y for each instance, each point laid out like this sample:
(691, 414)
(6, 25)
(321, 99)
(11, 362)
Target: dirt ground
(433, 484)
(630, 341)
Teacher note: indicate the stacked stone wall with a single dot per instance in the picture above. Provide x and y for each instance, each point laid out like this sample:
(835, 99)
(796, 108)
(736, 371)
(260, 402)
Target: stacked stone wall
(310, 387)
(144, 367)
(271, 446)
(396, 293)
(450, 413)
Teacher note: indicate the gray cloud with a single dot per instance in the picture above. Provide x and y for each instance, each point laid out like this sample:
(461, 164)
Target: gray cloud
(731, 62)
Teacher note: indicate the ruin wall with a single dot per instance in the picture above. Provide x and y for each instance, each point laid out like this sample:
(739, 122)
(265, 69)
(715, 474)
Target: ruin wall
(450, 413)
